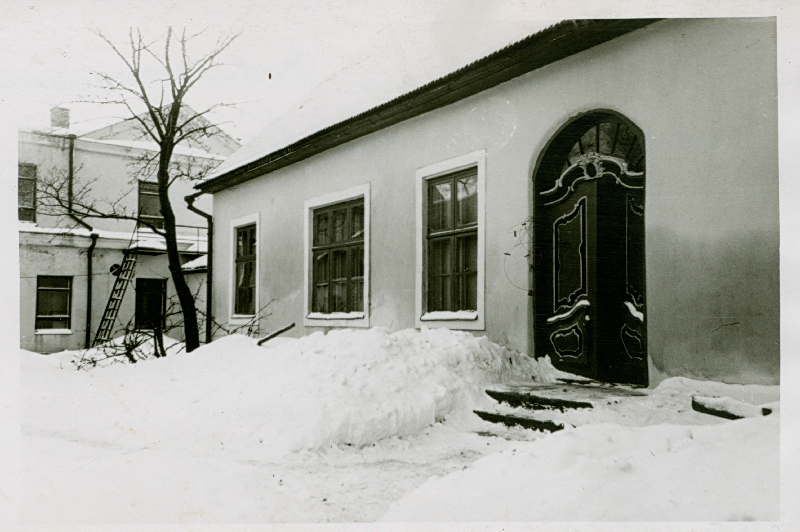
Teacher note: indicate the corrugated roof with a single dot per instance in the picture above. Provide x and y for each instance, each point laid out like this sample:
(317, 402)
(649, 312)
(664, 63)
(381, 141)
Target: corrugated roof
(299, 135)
(364, 84)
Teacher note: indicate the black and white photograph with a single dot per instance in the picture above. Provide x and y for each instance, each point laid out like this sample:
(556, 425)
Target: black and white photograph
(461, 264)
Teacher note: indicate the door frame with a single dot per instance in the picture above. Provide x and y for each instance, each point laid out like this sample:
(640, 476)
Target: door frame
(575, 124)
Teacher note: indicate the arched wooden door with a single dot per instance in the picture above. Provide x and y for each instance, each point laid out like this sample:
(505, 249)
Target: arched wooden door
(589, 276)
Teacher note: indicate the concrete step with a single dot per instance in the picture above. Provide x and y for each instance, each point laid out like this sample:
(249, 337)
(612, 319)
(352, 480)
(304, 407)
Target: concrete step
(514, 420)
(562, 396)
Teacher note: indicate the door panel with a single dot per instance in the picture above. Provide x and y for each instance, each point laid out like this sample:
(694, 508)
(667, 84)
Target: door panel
(567, 294)
(151, 302)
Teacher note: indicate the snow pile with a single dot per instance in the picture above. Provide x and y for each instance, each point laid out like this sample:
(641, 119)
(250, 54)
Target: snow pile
(346, 387)
(727, 471)
(205, 437)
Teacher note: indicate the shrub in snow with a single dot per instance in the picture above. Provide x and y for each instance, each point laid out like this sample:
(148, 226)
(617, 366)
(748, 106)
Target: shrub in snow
(133, 346)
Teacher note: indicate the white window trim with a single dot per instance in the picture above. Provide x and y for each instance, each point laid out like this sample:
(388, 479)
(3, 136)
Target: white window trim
(44, 332)
(464, 320)
(336, 319)
(241, 319)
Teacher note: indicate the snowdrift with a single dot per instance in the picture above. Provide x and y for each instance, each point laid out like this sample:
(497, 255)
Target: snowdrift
(722, 472)
(347, 387)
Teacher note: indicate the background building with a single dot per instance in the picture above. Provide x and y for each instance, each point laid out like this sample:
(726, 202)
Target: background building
(67, 264)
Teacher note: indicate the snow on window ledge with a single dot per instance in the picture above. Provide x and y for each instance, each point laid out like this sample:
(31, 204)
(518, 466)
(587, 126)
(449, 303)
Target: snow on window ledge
(52, 331)
(241, 319)
(336, 316)
(461, 315)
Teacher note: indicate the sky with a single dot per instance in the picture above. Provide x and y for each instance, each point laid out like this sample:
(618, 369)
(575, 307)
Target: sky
(287, 52)
(284, 51)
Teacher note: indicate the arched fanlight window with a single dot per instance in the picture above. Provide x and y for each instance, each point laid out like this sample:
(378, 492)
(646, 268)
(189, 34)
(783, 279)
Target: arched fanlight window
(591, 148)
(613, 138)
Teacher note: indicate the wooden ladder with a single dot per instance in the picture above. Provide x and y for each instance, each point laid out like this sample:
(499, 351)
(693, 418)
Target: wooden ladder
(126, 272)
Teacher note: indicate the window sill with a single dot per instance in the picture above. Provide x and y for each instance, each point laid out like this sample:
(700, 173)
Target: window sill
(336, 316)
(337, 319)
(463, 320)
(461, 315)
(44, 332)
(242, 319)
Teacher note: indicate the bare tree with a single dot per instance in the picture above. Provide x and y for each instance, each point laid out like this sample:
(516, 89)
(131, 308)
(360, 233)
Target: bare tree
(158, 77)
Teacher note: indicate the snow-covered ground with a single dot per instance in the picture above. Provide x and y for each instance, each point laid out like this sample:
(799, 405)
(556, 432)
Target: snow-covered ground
(371, 425)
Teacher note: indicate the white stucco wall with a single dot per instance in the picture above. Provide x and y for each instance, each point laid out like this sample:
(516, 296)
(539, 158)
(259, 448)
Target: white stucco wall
(66, 255)
(704, 92)
(111, 174)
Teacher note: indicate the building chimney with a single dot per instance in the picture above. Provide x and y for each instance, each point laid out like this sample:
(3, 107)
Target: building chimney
(59, 117)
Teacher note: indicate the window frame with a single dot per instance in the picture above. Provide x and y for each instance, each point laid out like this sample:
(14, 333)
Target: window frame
(156, 221)
(34, 179)
(334, 319)
(235, 226)
(463, 319)
(68, 316)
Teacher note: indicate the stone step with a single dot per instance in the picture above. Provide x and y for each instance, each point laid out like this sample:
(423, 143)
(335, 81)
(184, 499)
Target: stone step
(561, 396)
(513, 420)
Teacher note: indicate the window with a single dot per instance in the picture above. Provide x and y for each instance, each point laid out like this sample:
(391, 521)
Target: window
(450, 243)
(150, 205)
(245, 265)
(336, 270)
(338, 258)
(53, 302)
(27, 192)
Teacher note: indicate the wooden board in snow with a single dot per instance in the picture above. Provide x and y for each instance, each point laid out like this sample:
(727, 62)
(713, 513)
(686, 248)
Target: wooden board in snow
(728, 408)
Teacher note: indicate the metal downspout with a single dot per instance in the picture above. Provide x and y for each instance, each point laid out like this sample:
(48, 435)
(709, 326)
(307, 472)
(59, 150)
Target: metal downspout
(209, 260)
(93, 236)
(71, 174)
(89, 254)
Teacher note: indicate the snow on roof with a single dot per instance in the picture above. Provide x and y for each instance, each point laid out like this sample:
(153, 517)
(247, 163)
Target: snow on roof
(200, 244)
(152, 146)
(28, 227)
(200, 263)
(78, 129)
(125, 133)
(145, 240)
(377, 78)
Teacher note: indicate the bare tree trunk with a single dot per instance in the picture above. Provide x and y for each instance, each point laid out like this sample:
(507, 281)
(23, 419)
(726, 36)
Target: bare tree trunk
(182, 290)
(158, 341)
(162, 122)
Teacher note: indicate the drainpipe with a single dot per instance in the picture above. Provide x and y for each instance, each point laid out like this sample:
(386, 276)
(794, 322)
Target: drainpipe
(70, 180)
(209, 259)
(71, 174)
(89, 254)
(93, 235)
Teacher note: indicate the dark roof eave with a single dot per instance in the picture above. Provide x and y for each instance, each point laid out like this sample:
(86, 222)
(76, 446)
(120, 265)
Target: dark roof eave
(540, 49)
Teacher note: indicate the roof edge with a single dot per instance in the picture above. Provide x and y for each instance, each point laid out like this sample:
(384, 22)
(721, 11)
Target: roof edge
(552, 44)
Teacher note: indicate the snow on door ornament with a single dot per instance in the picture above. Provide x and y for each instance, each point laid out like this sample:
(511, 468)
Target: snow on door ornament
(569, 279)
(569, 246)
(631, 338)
(591, 166)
